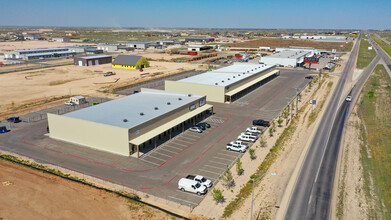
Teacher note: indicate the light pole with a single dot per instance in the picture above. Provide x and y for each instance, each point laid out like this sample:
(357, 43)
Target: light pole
(252, 196)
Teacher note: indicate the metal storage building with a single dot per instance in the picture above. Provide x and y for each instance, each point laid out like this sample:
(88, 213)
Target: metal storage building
(138, 45)
(92, 60)
(131, 124)
(290, 58)
(130, 62)
(227, 84)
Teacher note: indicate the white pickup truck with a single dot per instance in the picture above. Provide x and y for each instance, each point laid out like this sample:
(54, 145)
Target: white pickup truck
(254, 130)
(244, 137)
(204, 181)
(240, 144)
(253, 135)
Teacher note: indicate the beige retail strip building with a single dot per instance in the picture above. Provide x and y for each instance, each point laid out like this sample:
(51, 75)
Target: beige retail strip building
(131, 125)
(227, 84)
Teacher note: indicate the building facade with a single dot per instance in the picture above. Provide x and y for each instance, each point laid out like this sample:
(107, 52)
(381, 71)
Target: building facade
(130, 62)
(92, 60)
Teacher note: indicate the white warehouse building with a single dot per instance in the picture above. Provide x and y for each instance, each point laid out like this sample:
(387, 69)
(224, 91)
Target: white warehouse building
(288, 58)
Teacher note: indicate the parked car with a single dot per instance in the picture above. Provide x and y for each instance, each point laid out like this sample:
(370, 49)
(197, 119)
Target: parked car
(349, 98)
(109, 74)
(200, 126)
(195, 129)
(69, 103)
(309, 77)
(237, 148)
(239, 144)
(193, 186)
(204, 181)
(261, 122)
(243, 137)
(204, 124)
(254, 130)
(14, 119)
(3, 129)
(255, 136)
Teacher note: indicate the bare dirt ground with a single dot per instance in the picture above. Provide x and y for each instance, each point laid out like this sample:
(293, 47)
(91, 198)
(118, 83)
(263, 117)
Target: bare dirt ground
(351, 201)
(33, 44)
(30, 86)
(270, 191)
(27, 193)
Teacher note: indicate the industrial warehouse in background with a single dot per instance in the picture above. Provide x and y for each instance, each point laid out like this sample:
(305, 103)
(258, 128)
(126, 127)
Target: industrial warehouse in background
(227, 84)
(133, 124)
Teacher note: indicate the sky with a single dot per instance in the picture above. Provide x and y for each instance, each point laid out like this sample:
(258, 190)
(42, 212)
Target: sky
(262, 14)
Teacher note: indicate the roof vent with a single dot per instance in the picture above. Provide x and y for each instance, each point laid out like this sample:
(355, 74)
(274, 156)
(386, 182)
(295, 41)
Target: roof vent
(229, 79)
(222, 81)
(233, 76)
(189, 95)
(168, 103)
(156, 108)
(248, 71)
(125, 120)
(141, 113)
(179, 99)
(216, 83)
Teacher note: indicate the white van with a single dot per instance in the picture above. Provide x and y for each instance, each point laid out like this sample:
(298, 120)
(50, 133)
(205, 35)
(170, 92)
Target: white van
(191, 186)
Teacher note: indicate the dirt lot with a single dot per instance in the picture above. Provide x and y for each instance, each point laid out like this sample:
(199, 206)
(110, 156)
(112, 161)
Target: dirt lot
(30, 86)
(274, 42)
(27, 193)
(23, 45)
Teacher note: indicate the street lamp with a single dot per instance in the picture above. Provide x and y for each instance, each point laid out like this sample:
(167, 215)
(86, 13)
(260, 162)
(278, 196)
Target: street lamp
(252, 196)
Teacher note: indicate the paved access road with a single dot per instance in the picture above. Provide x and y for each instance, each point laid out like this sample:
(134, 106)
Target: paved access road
(158, 171)
(312, 193)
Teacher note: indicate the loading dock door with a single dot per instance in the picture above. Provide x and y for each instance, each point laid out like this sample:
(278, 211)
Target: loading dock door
(89, 63)
(96, 62)
(80, 63)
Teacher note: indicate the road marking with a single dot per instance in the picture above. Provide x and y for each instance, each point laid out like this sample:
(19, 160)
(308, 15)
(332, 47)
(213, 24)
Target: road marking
(173, 147)
(189, 138)
(193, 135)
(214, 167)
(162, 154)
(169, 151)
(182, 200)
(227, 155)
(222, 158)
(193, 194)
(155, 157)
(219, 163)
(187, 142)
(149, 162)
(210, 171)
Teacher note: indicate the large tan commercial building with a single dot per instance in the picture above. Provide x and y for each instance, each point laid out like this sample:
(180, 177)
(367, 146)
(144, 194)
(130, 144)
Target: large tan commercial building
(131, 124)
(227, 84)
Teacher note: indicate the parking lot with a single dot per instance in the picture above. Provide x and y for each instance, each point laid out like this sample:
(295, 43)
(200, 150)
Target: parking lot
(158, 171)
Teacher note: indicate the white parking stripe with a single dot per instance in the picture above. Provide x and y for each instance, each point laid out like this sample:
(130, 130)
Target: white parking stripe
(182, 200)
(215, 167)
(168, 151)
(189, 138)
(162, 154)
(184, 141)
(149, 162)
(154, 157)
(195, 136)
(193, 194)
(228, 155)
(218, 163)
(173, 147)
(210, 171)
(222, 158)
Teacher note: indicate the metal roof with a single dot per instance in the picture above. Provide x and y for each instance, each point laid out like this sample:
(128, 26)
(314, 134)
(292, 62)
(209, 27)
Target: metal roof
(95, 57)
(228, 75)
(129, 108)
(289, 54)
(49, 53)
(138, 43)
(130, 60)
(42, 49)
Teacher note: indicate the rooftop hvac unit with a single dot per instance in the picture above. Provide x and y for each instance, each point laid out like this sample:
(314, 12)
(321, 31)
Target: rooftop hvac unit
(156, 108)
(179, 99)
(125, 120)
(189, 95)
(168, 103)
(141, 113)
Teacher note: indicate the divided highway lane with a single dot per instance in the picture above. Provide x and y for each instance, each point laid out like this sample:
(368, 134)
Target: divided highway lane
(309, 198)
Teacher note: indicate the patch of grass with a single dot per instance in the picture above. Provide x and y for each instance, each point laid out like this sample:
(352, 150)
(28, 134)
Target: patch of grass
(382, 44)
(246, 190)
(375, 134)
(318, 107)
(365, 56)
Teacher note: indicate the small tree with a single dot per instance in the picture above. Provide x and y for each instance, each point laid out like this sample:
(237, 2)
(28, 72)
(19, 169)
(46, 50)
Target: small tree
(239, 168)
(279, 121)
(271, 130)
(252, 154)
(310, 84)
(218, 195)
(262, 141)
(285, 113)
(299, 97)
(228, 179)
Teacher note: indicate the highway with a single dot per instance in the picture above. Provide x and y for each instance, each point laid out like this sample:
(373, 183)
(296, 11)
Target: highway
(311, 195)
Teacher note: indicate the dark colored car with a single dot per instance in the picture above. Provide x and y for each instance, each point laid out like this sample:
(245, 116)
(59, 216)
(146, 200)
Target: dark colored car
(309, 77)
(3, 129)
(14, 120)
(203, 125)
(261, 122)
(200, 126)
